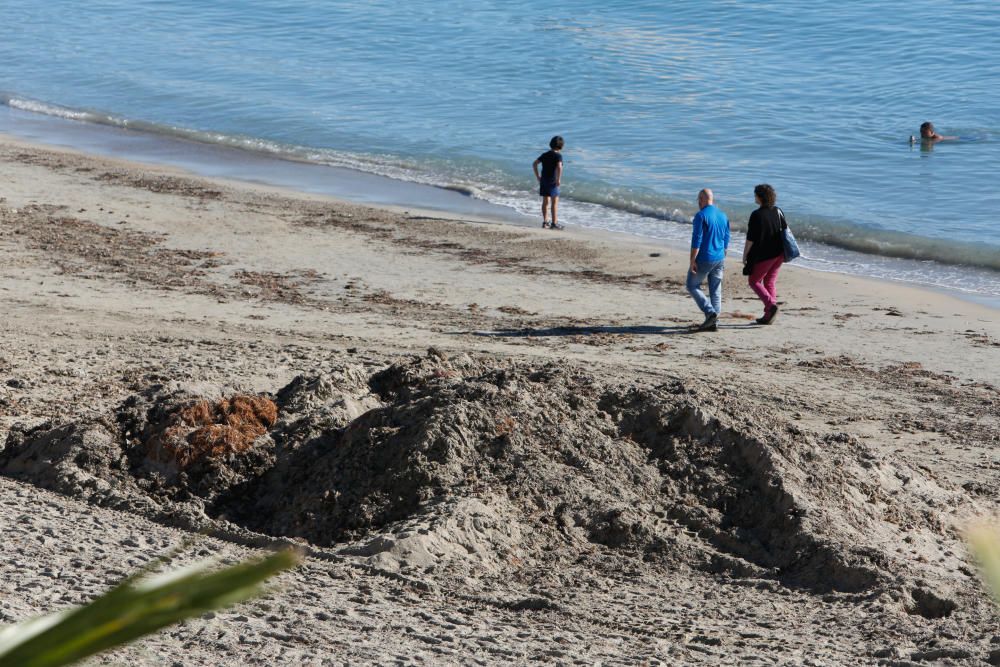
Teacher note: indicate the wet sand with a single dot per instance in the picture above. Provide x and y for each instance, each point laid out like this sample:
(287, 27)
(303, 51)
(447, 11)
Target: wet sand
(500, 444)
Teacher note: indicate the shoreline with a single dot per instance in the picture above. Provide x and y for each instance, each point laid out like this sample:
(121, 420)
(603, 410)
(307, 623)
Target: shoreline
(450, 209)
(913, 292)
(615, 255)
(352, 185)
(216, 161)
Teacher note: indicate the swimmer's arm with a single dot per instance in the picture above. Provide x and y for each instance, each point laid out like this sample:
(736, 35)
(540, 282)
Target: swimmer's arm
(938, 137)
(559, 174)
(534, 168)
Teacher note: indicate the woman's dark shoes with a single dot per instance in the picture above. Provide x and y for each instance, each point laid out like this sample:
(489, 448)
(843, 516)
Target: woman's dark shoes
(769, 316)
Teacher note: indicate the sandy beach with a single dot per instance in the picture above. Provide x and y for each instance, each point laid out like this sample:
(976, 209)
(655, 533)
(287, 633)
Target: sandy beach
(499, 445)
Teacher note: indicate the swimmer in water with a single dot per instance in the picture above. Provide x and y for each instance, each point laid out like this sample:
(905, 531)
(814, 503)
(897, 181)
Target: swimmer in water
(928, 135)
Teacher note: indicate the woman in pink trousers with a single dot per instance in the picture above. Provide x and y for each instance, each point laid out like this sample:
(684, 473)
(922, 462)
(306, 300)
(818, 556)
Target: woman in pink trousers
(764, 251)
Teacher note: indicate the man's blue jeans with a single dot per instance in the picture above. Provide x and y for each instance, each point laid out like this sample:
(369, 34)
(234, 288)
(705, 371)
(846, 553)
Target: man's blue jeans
(712, 271)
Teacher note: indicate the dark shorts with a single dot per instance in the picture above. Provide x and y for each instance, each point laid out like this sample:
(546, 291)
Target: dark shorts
(548, 189)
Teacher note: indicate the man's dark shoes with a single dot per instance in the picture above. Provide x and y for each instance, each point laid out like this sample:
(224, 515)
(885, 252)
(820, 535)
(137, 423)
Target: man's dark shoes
(768, 316)
(711, 323)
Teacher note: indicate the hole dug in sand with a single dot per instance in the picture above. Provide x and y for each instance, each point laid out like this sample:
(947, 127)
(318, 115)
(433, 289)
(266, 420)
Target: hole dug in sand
(489, 467)
(930, 604)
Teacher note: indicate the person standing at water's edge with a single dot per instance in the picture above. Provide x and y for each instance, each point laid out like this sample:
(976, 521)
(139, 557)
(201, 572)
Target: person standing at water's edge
(709, 241)
(549, 180)
(764, 252)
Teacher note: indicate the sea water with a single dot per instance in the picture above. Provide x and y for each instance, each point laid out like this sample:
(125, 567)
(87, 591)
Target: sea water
(655, 101)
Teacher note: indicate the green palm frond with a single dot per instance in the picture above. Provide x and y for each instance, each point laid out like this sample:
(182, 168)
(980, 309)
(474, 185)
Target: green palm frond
(985, 544)
(136, 607)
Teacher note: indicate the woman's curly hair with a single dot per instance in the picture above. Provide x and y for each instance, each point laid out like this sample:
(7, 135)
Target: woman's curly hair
(767, 195)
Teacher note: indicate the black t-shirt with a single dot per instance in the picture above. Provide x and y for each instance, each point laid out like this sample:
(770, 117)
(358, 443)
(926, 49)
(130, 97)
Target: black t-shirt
(764, 229)
(549, 161)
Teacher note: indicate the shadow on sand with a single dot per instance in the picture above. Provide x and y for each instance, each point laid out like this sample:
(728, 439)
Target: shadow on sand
(597, 329)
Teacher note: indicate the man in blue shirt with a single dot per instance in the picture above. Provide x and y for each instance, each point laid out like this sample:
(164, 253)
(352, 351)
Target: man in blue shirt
(709, 241)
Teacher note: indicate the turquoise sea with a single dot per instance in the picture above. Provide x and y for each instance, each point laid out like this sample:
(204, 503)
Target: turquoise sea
(655, 100)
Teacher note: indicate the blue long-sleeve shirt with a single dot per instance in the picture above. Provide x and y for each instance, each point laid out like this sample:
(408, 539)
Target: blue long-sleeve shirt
(710, 234)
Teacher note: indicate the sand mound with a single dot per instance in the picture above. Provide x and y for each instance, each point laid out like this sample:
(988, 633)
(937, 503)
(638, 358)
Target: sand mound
(486, 465)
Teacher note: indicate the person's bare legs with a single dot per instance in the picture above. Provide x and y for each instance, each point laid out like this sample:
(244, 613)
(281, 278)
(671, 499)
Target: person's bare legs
(545, 211)
(555, 208)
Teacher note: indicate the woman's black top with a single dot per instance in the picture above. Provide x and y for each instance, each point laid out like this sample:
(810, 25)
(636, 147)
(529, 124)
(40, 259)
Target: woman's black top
(764, 229)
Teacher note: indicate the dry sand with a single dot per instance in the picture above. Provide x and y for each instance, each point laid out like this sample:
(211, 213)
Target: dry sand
(499, 445)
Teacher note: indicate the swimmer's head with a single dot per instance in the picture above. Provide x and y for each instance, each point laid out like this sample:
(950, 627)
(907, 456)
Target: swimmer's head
(926, 130)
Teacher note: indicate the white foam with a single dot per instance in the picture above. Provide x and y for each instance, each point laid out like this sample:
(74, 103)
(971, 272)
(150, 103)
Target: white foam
(48, 109)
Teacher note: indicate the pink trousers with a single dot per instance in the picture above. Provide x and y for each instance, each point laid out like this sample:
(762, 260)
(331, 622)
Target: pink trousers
(762, 280)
